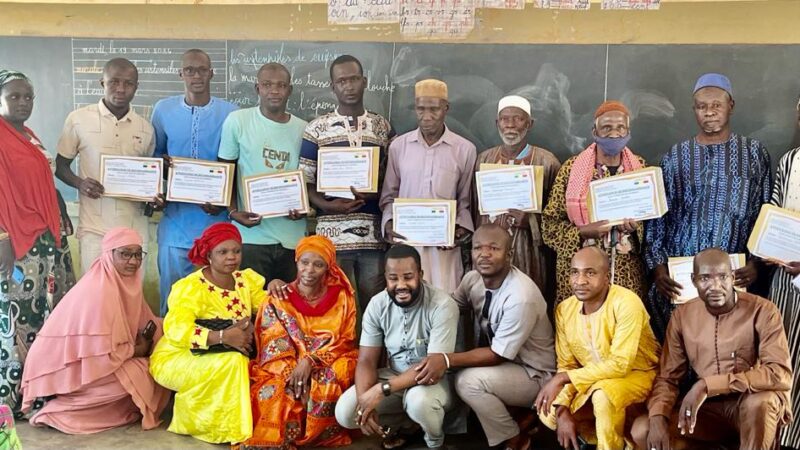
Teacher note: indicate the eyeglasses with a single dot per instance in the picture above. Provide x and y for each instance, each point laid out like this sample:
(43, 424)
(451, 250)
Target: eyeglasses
(190, 71)
(126, 255)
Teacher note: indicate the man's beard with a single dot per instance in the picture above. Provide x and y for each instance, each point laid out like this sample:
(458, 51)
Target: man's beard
(512, 141)
(415, 295)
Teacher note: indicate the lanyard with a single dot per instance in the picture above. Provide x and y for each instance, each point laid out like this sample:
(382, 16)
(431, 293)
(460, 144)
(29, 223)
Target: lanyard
(355, 139)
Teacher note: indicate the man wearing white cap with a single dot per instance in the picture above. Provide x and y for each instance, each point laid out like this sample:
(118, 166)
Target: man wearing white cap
(432, 162)
(715, 183)
(531, 256)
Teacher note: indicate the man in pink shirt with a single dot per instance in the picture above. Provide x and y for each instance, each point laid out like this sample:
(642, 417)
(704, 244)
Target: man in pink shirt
(432, 162)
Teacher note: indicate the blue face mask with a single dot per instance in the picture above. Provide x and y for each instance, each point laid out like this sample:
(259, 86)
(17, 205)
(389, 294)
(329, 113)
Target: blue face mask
(612, 146)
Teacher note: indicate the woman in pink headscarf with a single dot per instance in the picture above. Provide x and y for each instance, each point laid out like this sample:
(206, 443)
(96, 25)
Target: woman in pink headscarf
(92, 353)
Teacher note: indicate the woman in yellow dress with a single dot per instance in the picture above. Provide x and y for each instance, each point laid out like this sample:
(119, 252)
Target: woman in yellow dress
(201, 357)
(305, 335)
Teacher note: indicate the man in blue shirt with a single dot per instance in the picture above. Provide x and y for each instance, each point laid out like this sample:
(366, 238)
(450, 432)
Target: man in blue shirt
(187, 126)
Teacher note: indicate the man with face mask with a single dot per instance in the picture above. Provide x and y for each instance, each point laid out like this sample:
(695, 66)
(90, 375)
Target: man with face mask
(411, 319)
(432, 162)
(530, 255)
(565, 220)
(715, 183)
(735, 343)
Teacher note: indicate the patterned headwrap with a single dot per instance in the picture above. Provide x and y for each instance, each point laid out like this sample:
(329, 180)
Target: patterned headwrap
(324, 248)
(7, 76)
(212, 237)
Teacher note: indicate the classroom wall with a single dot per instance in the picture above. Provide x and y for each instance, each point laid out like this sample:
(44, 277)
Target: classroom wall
(677, 22)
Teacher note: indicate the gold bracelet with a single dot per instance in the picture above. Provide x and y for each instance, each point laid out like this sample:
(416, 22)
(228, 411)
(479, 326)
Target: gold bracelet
(4, 236)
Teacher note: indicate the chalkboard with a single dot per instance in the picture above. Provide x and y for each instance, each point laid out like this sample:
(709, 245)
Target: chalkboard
(564, 82)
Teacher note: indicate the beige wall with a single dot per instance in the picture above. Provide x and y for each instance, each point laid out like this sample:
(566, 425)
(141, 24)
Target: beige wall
(684, 22)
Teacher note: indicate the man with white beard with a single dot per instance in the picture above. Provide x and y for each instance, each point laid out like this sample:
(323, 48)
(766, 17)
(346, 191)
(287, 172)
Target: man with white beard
(531, 256)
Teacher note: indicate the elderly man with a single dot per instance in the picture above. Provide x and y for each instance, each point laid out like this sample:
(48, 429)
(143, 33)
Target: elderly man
(187, 126)
(353, 224)
(411, 319)
(607, 358)
(565, 220)
(735, 343)
(261, 140)
(531, 256)
(715, 183)
(515, 352)
(110, 127)
(432, 162)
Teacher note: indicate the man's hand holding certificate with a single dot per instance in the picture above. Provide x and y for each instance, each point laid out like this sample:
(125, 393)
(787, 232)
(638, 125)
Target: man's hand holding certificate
(131, 178)
(637, 195)
(424, 222)
(276, 195)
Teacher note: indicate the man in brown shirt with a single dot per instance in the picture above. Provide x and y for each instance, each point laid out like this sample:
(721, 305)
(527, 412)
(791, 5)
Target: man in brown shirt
(735, 343)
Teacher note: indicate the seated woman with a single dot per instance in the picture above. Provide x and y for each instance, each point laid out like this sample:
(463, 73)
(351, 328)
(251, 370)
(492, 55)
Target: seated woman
(212, 402)
(305, 336)
(91, 354)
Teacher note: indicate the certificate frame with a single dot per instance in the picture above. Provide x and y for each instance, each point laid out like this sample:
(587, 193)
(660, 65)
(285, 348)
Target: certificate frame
(651, 174)
(451, 217)
(157, 185)
(374, 155)
(228, 189)
(738, 260)
(245, 185)
(767, 213)
(536, 191)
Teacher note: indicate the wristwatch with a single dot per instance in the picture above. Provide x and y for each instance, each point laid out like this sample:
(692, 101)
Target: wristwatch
(386, 388)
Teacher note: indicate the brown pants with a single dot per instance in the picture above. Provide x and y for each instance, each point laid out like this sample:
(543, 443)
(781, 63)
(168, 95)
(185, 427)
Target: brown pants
(753, 417)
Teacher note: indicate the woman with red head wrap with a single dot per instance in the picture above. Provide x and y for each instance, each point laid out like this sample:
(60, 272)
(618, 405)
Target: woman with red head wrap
(207, 337)
(306, 354)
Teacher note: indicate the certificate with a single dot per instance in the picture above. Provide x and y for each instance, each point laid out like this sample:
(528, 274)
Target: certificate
(776, 235)
(538, 175)
(130, 177)
(512, 187)
(637, 195)
(424, 222)
(198, 181)
(681, 269)
(338, 168)
(275, 194)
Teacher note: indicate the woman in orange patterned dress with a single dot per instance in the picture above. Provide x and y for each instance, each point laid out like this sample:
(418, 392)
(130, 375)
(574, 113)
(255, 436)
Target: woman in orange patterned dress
(305, 335)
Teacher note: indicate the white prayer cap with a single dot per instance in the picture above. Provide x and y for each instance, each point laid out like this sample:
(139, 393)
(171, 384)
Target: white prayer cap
(515, 101)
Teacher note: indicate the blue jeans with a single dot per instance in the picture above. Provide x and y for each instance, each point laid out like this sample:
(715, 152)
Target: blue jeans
(173, 264)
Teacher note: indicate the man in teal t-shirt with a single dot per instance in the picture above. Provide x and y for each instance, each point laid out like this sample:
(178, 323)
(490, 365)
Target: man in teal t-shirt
(263, 140)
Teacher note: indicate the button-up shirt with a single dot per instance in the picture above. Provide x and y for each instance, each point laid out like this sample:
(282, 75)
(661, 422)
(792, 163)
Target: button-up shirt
(193, 132)
(742, 351)
(92, 131)
(411, 333)
(517, 320)
(443, 170)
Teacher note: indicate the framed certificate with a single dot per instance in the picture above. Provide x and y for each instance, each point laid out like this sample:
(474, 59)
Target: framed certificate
(338, 168)
(199, 181)
(275, 194)
(538, 176)
(637, 195)
(509, 187)
(425, 222)
(776, 235)
(681, 268)
(130, 177)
